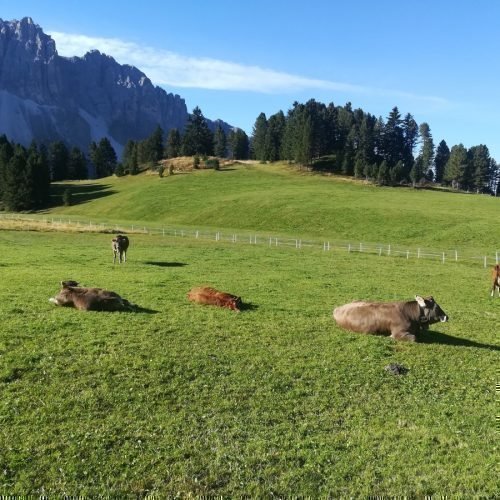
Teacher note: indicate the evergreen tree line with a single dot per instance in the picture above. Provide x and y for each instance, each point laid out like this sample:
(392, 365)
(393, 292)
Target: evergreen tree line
(355, 143)
(24, 176)
(196, 140)
(26, 173)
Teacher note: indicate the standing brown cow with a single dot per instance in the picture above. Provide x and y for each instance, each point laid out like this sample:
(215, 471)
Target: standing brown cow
(496, 280)
(401, 319)
(211, 296)
(120, 244)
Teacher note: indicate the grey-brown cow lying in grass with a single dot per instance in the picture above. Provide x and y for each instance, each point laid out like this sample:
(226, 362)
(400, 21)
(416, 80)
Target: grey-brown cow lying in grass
(401, 319)
(89, 299)
(120, 244)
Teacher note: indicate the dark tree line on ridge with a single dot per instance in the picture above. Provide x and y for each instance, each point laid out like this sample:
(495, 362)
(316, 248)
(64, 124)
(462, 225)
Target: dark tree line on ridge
(323, 137)
(354, 143)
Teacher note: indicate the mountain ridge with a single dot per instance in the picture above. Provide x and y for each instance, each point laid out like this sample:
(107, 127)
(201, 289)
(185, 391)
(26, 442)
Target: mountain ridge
(46, 97)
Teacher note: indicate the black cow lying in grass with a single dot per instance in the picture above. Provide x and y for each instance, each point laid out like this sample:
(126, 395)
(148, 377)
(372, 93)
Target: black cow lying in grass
(90, 299)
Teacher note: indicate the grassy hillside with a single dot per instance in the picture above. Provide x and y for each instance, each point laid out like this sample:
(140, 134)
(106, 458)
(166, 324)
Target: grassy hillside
(180, 399)
(279, 199)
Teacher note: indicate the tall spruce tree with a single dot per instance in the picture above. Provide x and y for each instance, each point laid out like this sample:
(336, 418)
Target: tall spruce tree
(427, 147)
(274, 136)
(410, 138)
(480, 165)
(103, 156)
(259, 134)
(77, 164)
(58, 161)
(198, 138)
(38, 170)
(6, 152)
(239, 144)
(393, 142)
(440, 161)
(129, 158)
(220, 142)
(18, 187)
(174, 144)
(456, 169)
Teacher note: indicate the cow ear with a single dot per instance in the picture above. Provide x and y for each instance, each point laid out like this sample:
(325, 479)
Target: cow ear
(420, 300)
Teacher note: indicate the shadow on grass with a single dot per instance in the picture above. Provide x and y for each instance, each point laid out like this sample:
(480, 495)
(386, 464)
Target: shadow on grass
(165, 264)
(248, 306)
(432, 337)
(144, 310)
(80, 193)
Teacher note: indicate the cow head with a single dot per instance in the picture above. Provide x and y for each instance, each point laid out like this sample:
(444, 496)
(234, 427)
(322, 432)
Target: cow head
(65, 297)
(430, 312)
(235, 304)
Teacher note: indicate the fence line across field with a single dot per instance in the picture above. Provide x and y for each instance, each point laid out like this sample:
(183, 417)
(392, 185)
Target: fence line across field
(254, 238)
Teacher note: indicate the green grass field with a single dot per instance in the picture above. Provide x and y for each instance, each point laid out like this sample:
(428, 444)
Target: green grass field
(185, 400)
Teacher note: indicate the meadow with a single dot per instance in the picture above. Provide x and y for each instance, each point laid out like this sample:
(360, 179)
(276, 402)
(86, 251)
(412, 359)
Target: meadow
(181, 399)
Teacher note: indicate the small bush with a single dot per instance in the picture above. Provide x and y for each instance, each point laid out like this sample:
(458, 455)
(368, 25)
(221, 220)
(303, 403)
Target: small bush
(196, 161)
(212, 163)
(161, 169)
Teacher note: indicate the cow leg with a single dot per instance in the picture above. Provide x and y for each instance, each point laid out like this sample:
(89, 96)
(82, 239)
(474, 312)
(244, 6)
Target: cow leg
(405, 336)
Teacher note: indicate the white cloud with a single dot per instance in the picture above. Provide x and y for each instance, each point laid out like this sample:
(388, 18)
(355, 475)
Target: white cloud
(176, 70)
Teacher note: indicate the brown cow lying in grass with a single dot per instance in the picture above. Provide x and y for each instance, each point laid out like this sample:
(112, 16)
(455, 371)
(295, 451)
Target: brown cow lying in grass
(211, 296)
(401, 319)
(89, 299)
(496, 280)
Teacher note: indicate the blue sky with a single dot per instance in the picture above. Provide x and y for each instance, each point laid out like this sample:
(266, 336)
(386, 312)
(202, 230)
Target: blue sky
(436, 59)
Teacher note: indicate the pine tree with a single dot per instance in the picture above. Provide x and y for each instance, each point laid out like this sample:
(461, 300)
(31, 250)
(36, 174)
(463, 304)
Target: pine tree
(426, 153)
(456, 169)
(383, 174)
(440, 161)
(479, 158)
(259, 134)
(58, 161)
(410, 137)
(129, 158)
(274, 136)
(18, 187)
(220, 142)
(198, 138)
(77, 165)
(393, 140)
(38, 170)
(417, 171)
(174, 144)
(239, 144)
(6, 152)
(103, 157)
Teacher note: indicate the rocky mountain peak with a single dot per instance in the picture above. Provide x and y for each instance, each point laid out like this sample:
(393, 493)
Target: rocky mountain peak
(46, 97)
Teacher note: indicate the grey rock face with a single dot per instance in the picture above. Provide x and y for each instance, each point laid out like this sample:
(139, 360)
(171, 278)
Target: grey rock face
(46, 97)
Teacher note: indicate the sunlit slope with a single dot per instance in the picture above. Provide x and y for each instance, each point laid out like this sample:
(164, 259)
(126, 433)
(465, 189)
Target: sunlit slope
(280, 199)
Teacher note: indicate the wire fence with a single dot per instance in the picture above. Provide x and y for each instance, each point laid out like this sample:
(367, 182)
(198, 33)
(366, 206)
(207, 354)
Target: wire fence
(254, 238)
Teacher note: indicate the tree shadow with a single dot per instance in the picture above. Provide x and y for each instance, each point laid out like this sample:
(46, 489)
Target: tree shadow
(80, 193)
(432, 337)
(165, 264)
